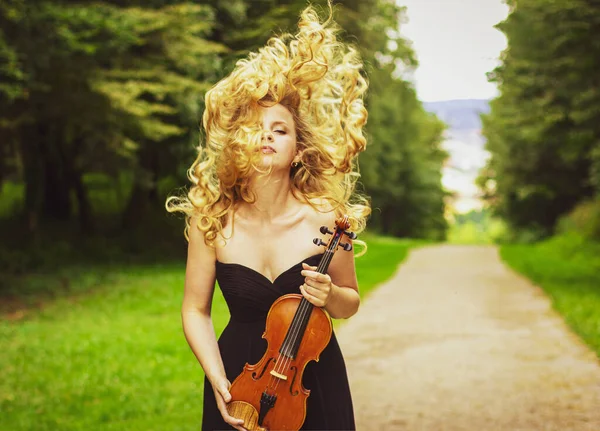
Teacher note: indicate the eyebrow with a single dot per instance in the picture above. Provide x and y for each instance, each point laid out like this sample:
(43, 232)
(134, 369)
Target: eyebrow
(274, 123)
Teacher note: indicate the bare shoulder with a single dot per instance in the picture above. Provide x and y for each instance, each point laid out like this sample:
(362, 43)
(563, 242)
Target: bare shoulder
(199, 252)
(341, 269)
(321, 213)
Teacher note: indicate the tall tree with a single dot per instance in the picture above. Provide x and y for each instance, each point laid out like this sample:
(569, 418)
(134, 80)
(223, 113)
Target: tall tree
(117, 86)
(543, 129)
(94, 84)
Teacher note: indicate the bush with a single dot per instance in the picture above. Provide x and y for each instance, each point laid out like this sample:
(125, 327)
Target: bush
(584, 219)
(477, 227)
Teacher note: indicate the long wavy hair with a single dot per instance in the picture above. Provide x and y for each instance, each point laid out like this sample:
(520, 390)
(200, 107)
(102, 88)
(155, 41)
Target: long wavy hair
(318, 78)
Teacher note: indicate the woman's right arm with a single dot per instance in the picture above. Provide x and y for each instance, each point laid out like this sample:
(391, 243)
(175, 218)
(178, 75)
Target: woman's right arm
(196, 319)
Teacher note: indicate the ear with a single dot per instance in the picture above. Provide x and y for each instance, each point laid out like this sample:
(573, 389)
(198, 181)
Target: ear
(298, 156)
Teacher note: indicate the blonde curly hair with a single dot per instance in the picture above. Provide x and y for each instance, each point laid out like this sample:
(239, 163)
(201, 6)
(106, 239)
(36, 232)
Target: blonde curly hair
(318, 79)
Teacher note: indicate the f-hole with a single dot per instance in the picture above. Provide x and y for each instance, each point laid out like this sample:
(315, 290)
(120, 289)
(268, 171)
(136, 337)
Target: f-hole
(295, 370)
(262, 371)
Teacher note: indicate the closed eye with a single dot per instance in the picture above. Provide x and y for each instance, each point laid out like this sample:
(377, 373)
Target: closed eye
(281, 132)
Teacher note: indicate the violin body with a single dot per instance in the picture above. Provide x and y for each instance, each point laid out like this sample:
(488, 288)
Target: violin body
(269, 395)
(289, 411)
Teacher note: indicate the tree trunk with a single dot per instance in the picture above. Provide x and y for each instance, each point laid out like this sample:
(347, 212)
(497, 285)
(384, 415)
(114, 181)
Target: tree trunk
(33, 175)
(387, 221)
(56, 203)
(86, 222)
(145, 187)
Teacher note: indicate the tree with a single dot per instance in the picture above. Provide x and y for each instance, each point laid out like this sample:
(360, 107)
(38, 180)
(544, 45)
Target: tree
(543, 130)
(88, 86)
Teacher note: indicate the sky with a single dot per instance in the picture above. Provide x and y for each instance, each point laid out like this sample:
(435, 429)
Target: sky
(456, 44)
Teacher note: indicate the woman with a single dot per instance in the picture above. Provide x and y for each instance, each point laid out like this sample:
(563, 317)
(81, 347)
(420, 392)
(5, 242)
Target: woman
(282, 134)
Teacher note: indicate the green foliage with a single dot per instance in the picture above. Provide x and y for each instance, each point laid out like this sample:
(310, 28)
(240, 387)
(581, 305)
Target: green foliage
(115, 357)
(101, 86)
(567, 267)
(402, 168)
(542, 130)
(113, 89)
(11, 196)
(477, 227)
(584, 220)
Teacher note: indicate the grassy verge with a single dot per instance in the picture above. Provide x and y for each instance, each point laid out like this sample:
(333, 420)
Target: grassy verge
(115, 358)
(568, 269)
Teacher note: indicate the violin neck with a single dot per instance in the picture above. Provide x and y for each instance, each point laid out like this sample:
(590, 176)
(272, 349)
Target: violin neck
(325, 261)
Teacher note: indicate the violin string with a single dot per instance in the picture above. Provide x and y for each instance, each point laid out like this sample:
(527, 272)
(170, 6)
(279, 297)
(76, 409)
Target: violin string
(307, 306)
(302, 313)
(287, 345)
(283, 360)
(303, 309)
(294, 330)
(297, 322)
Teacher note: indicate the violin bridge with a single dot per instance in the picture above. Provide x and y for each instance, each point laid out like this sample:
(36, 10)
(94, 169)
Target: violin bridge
(279, 376)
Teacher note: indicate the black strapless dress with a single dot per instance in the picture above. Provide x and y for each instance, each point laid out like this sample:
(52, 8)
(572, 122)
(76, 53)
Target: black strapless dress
(249, 296)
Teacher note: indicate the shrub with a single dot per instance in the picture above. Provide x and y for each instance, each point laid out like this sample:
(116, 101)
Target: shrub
(584, 219)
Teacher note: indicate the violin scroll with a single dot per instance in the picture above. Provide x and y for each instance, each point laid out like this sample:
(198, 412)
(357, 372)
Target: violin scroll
(342, 226)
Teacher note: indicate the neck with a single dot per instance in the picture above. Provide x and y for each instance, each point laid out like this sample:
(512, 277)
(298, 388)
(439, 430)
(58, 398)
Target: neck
(273, 196)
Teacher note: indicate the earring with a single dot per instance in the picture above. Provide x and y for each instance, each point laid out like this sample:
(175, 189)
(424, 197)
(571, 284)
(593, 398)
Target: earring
(295, 164)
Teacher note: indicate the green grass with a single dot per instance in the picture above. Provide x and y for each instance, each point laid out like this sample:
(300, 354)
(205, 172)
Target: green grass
(567, 267)
(115, 358)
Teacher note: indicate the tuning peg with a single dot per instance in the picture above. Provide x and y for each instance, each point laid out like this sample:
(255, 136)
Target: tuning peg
(318, 241)
(346, 246)
(350, 235)
(324, 230)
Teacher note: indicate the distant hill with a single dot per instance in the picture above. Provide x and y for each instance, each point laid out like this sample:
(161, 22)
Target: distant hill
(460, 114)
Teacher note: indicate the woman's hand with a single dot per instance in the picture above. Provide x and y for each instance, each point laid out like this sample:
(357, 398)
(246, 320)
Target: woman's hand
(317, 287)
(222, 395)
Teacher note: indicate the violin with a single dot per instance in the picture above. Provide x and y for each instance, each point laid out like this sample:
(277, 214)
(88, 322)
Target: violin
(269, 394)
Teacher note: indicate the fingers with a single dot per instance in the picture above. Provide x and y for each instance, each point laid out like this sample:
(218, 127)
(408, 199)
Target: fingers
(234, 422)
(223, 389)
(314, 300)
(223, 397)
(311, 272)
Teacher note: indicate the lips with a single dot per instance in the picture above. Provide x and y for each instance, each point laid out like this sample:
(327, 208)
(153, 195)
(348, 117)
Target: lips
(267, 149)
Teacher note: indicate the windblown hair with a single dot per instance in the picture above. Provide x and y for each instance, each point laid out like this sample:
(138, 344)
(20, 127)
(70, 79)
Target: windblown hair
(318, 79)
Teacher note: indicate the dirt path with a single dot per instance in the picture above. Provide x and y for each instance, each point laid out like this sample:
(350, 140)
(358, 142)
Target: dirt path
(455, 341)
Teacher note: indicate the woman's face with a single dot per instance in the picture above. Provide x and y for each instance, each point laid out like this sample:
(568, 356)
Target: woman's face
(279, 143)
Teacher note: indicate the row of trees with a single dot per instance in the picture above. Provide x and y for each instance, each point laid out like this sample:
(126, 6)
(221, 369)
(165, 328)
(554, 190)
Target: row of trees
(544, 129)
(118, 85)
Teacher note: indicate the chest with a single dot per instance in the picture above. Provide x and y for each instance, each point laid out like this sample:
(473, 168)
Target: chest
(269, 250)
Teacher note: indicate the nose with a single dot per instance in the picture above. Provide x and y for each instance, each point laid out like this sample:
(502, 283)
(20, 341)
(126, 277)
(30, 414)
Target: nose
(268, 136)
